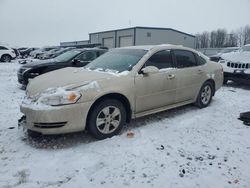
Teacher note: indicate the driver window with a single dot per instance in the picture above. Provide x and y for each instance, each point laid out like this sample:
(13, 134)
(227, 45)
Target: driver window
(161, 60)
(87, 56)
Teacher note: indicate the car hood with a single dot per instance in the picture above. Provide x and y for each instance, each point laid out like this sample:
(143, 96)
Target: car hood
(38, 63)
(242, 57)
(66, 77)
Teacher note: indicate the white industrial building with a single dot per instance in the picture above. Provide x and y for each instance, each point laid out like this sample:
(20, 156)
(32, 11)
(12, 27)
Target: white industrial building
(135, 36)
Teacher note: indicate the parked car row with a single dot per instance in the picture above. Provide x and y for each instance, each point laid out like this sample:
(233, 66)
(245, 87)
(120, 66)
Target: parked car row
(120, 85)
(71, 58)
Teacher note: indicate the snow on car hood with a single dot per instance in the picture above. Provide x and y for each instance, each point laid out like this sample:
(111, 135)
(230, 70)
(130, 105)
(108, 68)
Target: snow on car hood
(67, 77)
(242, 57)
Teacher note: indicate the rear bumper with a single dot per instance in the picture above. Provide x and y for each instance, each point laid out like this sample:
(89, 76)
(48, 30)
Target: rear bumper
(237, 77)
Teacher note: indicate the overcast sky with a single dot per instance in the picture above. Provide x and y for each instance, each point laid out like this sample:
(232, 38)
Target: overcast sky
(48, 22)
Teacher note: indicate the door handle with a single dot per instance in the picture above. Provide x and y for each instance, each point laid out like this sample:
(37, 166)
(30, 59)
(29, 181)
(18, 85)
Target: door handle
(171, 76)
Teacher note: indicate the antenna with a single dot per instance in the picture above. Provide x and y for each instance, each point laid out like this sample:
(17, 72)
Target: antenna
(129, 23)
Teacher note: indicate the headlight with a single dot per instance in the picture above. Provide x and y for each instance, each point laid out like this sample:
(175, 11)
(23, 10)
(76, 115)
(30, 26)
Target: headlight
(59, 97)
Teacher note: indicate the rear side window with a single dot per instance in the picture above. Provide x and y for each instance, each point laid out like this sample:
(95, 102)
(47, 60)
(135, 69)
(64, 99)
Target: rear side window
(161, 60)
(184, 58)
(3, 48)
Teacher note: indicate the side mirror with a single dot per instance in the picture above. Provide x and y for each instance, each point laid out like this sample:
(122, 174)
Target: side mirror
(150, 70)
(75, 61)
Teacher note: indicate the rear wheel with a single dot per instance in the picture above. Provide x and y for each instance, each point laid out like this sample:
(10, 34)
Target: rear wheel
(106, 119)
(6, 58)
(205, 95)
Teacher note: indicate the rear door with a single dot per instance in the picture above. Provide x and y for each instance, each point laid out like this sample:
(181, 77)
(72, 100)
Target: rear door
(190, 75)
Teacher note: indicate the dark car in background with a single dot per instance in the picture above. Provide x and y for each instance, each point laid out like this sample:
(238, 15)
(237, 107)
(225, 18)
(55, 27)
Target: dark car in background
(26, 52)
(72, 58)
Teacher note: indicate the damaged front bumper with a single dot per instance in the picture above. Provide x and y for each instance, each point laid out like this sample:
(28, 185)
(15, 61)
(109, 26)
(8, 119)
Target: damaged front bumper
(55, 120)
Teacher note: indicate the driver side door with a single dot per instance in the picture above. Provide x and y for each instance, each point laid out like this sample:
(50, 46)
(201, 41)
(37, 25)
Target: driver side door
(158, 89)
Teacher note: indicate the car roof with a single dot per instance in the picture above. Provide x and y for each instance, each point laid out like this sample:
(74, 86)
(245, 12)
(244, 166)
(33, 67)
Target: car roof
(157, 47)
(85, 49)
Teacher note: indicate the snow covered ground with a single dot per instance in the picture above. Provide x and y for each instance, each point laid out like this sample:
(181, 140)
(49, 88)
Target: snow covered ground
(181, 148)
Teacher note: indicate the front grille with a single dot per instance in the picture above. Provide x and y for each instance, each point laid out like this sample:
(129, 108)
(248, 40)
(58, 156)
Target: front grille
(238, 65)
(50, 125)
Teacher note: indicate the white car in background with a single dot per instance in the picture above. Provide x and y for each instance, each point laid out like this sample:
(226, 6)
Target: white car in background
(37, 53)
(236, 65)
(6, 54)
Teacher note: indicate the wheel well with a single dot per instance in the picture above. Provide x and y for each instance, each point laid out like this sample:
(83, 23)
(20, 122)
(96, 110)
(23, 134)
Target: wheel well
(118, 97)
(213, 85)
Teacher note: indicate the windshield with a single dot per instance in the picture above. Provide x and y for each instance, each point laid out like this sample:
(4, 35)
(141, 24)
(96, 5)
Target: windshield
(245, 48)
(67, 55)
(117, 60)
(227, 50)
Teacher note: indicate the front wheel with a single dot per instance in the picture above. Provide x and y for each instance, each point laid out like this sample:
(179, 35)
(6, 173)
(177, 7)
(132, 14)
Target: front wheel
(106, 119)
(205, 95)
(6, 58)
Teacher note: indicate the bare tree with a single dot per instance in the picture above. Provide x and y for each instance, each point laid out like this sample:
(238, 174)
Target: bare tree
(231, 40)
(205, 39)
(198, 41)
(220, 38)
(240, 36)
(213, 36)
(246, 35)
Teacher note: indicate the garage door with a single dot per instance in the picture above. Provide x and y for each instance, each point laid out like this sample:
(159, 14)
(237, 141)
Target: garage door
(108, 42)
(126, 41)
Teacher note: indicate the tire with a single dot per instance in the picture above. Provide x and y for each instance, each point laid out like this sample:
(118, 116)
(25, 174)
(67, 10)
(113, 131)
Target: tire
(205, 95)
(33, 134)
(112, 117)
(6, 58)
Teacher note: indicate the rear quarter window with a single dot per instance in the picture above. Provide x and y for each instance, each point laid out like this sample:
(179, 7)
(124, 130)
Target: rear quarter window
(200, 60)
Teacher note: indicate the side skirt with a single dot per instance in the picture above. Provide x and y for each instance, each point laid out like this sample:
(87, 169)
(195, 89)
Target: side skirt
(141, 114)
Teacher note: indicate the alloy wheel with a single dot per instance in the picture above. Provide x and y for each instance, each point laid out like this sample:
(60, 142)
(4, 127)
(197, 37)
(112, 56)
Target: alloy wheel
(206, 94)
(108, 119)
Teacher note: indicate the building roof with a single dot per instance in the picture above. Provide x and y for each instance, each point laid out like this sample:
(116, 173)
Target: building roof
(139, 27)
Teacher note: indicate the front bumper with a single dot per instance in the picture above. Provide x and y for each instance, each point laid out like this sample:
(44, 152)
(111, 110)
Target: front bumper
(56, 120)
(21, 79)
(237, 77)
